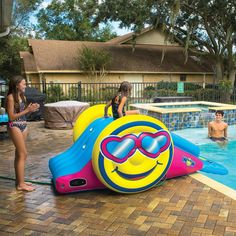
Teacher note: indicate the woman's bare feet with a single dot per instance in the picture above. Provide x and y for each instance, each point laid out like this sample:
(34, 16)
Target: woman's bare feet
(27, 183)
(25, 187)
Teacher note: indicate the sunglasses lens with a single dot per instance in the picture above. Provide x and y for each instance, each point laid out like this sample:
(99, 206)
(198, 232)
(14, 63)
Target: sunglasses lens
(153, 145)
(121, 149)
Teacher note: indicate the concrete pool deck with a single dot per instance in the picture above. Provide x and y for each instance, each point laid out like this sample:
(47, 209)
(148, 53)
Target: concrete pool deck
(180, 206)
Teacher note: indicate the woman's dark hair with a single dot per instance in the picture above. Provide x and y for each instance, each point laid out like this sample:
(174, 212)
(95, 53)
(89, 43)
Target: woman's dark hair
(125, 88)
(14, 81)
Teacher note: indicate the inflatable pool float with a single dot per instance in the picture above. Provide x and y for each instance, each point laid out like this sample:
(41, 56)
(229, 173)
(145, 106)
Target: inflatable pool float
(128, 155)
(212, 167)
(132, 154)
(4, 118)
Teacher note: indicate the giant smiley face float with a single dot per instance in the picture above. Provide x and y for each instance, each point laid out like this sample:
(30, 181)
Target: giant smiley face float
(132, 154)
(128, 155)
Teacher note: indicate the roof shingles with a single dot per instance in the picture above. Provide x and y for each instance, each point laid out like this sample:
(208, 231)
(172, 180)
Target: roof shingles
(53, 55)
(29, 62)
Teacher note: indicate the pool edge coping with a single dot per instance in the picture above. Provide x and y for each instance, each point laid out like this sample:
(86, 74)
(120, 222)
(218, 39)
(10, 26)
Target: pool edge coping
(215, 185)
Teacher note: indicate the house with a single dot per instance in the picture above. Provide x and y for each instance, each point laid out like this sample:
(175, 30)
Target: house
(151, 60)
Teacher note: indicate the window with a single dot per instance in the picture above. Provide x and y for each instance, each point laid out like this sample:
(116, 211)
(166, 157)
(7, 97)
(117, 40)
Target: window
(183, 78)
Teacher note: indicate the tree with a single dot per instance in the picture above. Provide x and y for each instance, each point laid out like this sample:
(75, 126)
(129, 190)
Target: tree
(16, 41)
(71, 20)
(205, 27)
(9, 55)
(94, 62)
(209, 26)
(22, 11)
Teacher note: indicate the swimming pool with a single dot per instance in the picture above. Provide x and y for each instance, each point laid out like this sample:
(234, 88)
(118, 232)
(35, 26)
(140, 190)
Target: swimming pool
(225, 155)
(201, 107)
(183, 115)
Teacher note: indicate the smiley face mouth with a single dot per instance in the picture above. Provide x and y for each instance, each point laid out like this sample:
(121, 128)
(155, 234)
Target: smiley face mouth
(135, 176)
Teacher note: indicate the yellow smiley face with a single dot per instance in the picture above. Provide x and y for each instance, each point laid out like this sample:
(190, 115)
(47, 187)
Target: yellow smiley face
(132, 154)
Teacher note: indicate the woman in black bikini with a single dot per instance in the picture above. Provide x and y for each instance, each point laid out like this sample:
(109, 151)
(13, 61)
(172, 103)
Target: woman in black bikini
(17, 127)
(119, 101)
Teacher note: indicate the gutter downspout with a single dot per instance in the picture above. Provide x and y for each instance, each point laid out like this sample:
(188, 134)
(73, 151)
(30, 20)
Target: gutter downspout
(5, 33)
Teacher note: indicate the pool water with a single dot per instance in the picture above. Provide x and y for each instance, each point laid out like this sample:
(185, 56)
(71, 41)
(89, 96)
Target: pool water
(225, 155)
(202, 107)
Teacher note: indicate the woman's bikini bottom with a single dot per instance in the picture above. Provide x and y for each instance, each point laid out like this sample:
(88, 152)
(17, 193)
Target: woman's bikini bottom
(20, 125)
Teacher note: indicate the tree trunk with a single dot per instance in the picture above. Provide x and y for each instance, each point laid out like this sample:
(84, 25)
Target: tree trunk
(232, 74)
(219, 71)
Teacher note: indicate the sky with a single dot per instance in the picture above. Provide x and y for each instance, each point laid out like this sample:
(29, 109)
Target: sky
(115, 25)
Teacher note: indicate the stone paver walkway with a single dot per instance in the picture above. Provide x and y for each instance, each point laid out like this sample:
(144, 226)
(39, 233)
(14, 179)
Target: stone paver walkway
(181, 206)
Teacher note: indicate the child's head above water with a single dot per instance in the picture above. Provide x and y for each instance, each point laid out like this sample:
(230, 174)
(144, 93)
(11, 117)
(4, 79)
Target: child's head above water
(220, 113)
(125, 88)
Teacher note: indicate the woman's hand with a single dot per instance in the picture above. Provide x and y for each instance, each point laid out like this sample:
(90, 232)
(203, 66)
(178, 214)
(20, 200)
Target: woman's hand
(32, 107)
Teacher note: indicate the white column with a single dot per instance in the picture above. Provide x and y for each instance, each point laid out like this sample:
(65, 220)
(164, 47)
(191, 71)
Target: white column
(204, 81)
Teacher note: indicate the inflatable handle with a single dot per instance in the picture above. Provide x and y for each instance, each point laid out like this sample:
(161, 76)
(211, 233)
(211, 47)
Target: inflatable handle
(87, 117)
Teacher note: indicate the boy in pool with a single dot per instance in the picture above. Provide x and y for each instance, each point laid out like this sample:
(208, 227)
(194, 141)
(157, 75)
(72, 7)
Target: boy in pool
(217, 129)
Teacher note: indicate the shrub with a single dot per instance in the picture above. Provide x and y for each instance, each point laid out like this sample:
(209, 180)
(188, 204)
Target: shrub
(54, 93)
(201, 94)
(192, 86)
(108, 93)
(149, 92)
(225, 86)
(73, 93)
(167, 85)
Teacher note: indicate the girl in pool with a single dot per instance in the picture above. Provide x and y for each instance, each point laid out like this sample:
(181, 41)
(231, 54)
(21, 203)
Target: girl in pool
(119, 101)
(17, 127)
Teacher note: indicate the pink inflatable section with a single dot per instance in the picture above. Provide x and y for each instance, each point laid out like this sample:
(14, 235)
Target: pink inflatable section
(80, 181)
(183, 163)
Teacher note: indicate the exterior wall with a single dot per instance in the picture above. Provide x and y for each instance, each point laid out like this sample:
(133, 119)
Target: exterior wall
(138, 78)
(32, 78)
(114, 78)
(153, 37)
(75, 78)
(176, 77)
(64, 78)
(152, 78)
(118, 78)
(200, 78)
